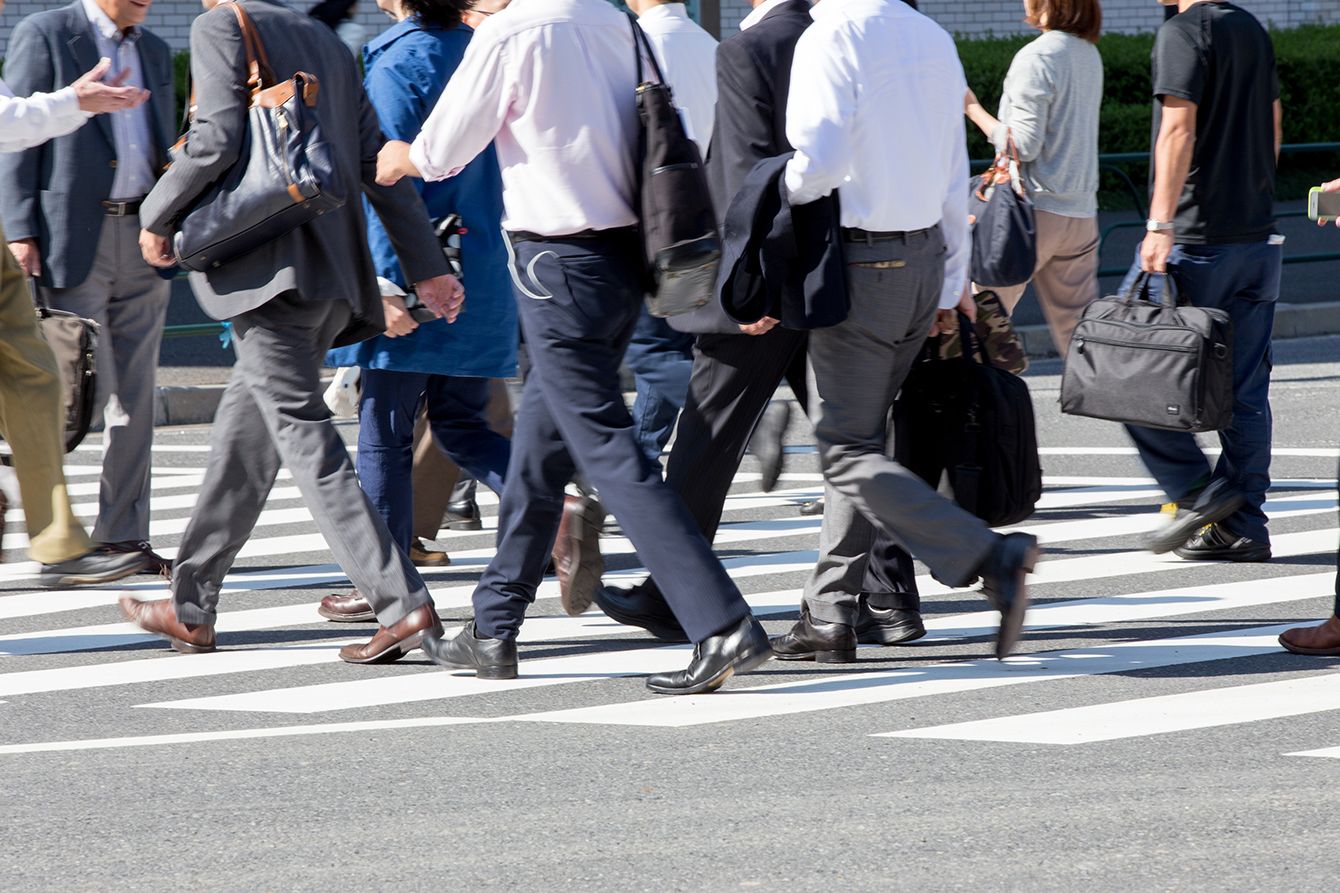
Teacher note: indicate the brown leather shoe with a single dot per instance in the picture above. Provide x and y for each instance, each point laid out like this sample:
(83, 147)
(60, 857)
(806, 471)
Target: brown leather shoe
(351, 608)
(577, 560)
(159, 617)
(1318, 641)
(394, 642)
(422, 556)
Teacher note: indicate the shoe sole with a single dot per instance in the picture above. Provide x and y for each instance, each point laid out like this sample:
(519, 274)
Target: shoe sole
(465, 525)
(890, 641)
(740, 666)
(184, 647)
(333, 617)
(444, 561)
(580, 593)
(70, 580)
(1309, 652)
(822, 657)
(1243, 557)
(1175, 535)
(392, 654)
(1012, 623)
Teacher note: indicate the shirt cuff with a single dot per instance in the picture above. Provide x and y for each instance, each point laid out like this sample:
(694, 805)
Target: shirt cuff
(1000, 136)
(65, 104)
(431, 173)
(952, 294)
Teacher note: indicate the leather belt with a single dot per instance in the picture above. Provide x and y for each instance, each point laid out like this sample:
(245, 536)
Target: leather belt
(521, 235)
(856, 234)
(122, 209)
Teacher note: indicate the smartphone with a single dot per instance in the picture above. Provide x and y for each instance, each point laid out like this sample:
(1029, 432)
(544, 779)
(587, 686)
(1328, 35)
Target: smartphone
(1323, 206)
(417, 311)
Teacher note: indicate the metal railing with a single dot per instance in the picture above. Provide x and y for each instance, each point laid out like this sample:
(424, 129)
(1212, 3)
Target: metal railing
(1112, 162)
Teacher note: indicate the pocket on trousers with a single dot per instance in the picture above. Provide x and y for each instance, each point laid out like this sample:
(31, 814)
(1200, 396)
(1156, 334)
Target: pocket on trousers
(596, 292)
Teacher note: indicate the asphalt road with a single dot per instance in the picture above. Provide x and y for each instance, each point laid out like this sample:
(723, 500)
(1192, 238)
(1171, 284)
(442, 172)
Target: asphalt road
(1147, 737)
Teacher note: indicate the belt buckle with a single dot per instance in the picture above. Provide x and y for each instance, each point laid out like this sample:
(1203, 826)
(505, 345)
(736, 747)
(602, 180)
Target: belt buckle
(116, 209)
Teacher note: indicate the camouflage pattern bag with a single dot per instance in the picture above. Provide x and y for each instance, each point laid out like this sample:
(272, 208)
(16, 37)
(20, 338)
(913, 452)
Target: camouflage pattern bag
(994, 329)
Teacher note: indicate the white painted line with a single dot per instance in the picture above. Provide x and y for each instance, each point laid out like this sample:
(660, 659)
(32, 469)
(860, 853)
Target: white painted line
(1295, 452)
(855, 689)
(434, 684)
(1331, 752)
(1140, 717)
(240, 734)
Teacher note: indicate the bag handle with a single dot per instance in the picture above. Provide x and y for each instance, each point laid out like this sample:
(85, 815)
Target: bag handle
(1139, 290)
(968, 338)
(39, 300)
(1004, 169)
(641, 43)
(259, 73)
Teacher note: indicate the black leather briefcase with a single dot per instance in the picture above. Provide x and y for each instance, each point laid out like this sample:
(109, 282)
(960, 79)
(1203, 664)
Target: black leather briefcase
(1152, 365)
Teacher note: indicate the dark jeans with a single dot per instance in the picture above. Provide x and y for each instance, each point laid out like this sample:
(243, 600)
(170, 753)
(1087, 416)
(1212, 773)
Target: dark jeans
(579, 300)
(1243, 280)
(661, 360)
(456, 408)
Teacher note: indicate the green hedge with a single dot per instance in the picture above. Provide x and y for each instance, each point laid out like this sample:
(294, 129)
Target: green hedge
(1305, 57)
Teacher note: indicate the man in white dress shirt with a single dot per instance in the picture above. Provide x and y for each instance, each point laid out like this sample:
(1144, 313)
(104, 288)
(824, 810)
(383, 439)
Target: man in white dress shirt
(875, 112)
(31, 397)
(660, 358)
(552, 84)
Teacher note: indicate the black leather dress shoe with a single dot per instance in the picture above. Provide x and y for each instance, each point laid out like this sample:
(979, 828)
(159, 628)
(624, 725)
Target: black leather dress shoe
(813, 507)
(92, 568)
(1215, 503)
(489, 658)
(641, 606)
(827, 643)
(715, 659)
(463, 515)
(1003, 584)
(1214, 543)
(887, 626)
(768, 440)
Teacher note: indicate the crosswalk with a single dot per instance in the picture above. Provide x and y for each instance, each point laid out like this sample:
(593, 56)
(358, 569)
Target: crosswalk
(1104, 608)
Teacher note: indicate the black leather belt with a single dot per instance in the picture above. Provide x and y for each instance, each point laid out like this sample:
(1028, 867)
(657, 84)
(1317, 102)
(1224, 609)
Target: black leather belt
(521, 235)
(856, 234)
(122, 209)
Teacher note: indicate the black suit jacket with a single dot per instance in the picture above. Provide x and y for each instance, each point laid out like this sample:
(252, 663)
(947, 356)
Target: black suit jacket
(53, 192)
(753, 79)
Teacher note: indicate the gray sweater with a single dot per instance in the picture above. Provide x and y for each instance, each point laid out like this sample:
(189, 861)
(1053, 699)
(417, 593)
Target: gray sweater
(1051, 99)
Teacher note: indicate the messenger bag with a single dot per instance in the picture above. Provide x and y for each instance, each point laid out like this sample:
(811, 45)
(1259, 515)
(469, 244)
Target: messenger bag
(285, 175)
(1152, 365)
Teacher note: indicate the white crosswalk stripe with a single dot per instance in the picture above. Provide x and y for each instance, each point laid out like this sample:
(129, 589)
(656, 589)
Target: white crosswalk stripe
(1119, 601)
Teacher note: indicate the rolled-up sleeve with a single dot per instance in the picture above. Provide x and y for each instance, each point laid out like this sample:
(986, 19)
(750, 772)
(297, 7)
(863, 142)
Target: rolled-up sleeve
(470, 112)
(820, 108)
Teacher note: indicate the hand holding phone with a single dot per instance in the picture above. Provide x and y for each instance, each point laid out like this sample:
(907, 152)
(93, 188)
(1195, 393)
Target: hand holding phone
(1323, 203)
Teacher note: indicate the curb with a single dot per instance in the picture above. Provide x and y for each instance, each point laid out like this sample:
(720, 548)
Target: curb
(197, 405)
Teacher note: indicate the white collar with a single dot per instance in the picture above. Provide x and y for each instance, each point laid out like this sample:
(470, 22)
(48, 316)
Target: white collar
(666, 11)
(756, 15)
(105, 26)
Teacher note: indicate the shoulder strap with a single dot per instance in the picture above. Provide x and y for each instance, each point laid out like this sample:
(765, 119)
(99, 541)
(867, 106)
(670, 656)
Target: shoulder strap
(259, 73)
(641, 43)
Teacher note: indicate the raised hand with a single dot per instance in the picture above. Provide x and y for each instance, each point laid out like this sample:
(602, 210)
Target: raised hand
(97, 96)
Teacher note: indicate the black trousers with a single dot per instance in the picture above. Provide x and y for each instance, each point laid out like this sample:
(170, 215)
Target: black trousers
(578, 300)
(734, 378)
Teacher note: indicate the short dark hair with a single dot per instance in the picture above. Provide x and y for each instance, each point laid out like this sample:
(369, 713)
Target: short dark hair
(1083, 18)
(444, 14)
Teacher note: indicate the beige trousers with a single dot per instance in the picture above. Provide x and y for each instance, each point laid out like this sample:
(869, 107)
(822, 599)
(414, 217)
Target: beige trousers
(1066, 277)
(31, 404)
(435, 475)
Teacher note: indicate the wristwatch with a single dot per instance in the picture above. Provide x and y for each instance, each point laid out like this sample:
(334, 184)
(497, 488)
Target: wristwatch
(1158, 226)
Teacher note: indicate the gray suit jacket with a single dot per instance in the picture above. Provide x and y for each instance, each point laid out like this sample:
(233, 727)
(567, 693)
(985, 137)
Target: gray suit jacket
(52, 192)
(328, 259)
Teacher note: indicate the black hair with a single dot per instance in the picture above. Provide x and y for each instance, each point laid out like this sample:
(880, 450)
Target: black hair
(333, 12)
(444, 14)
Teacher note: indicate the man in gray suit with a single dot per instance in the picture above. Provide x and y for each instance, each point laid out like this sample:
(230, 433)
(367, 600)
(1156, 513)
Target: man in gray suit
(289, 301)
(69, 212)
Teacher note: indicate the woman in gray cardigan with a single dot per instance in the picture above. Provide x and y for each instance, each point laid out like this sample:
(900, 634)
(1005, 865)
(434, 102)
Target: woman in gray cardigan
(1050, 106)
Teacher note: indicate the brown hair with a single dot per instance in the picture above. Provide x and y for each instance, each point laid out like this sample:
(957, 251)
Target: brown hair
(1083, 18)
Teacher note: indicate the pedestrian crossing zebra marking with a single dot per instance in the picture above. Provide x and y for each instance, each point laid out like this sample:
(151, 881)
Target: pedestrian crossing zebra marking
(1141, 717)
(859, 689)
(1331, 752)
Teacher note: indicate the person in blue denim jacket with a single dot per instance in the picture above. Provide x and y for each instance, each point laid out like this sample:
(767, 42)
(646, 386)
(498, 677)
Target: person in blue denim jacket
(443, 367)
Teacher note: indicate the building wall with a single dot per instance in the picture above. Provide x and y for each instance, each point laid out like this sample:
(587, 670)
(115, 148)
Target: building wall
(171, 19)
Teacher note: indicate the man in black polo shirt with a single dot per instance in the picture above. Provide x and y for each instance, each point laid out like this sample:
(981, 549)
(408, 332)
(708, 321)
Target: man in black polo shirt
(1212, 229)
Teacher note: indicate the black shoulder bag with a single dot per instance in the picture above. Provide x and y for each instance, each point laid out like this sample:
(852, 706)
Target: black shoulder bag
(679, 230)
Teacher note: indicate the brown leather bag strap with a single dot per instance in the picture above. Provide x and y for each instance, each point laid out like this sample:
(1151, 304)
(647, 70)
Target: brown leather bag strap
(259, 73)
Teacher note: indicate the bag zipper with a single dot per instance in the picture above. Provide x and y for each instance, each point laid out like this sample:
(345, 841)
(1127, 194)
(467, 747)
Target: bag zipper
(1079, 344)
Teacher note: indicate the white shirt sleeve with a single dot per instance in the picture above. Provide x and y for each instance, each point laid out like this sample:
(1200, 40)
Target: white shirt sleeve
(819, 111)
(472, 109)
(25, 123)
(954, 222)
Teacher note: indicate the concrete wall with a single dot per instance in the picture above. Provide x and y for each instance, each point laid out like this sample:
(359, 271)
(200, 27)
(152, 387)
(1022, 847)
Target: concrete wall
(171, 19)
